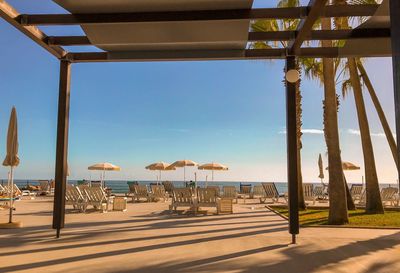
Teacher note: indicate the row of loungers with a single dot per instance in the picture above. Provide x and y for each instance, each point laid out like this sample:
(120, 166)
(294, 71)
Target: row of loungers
(44, 188)
(82, 196)
(315, 193)
(263, 192)
(165, 191)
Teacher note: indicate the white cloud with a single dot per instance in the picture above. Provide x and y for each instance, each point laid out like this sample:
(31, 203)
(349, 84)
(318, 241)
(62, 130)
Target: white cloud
(313, 131)
(306, 131)
(321, 132)
(357, 133)
(353, 132)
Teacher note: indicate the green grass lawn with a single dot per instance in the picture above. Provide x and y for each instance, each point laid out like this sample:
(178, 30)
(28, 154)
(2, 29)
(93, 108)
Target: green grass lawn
(357, 218)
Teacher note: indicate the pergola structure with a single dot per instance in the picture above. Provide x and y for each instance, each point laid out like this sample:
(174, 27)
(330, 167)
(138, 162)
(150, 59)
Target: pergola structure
(143, 30)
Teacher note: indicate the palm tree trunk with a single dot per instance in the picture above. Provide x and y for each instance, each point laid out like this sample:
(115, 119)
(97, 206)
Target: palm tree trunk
(301, 201)
(381, 114)
(337, 193)
(374, 203)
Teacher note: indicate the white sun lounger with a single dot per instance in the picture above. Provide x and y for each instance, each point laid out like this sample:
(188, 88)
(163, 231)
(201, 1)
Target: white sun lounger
(230, 192)
(97, 198)
(206, 197)
(141, 191)
(388, 195)
(75, 198)
(271, 192)
(259, 193)
(308, 191)
(158, 192)
(182, 197)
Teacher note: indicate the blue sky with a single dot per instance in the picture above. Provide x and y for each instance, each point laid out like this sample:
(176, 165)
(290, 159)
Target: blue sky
(133, 114)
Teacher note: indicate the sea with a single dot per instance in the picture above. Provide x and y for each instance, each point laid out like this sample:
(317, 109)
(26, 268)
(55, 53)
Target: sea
(119, 186)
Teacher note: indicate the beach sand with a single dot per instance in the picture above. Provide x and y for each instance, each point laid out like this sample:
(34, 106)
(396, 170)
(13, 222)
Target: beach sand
(146, 238)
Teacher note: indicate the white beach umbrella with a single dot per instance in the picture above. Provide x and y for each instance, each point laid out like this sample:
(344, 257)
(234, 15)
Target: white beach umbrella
(183, 164)
(12, 159)
(213, 167)
(104, 166)
(160, 166)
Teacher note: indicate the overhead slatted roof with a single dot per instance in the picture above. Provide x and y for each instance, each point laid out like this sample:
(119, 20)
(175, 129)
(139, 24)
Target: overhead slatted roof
(157, 30)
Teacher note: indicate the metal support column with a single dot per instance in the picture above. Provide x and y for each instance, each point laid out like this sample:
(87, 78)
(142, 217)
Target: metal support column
(292, 156)
(62, 147)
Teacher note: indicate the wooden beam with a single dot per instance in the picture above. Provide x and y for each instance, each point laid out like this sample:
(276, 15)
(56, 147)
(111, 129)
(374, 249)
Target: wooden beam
(345, 34)
(184, 55)
(305, 26)
(292, 154)
(207, 15)
(395, 27)
(9, 14)
(62, 146)
(204, 55)
(68, 40)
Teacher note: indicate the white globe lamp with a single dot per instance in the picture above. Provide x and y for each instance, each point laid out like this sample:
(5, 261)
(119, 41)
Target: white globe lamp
(292, 76)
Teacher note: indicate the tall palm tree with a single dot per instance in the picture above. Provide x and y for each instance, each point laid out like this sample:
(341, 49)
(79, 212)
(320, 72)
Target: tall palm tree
(374, 202)
(381, 114)
(338, 213)
(280, 25)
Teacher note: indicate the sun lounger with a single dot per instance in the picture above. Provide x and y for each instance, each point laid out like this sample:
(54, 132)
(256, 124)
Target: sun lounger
(17, 192)
(217, 190)
(44, 187)
(141, 191)
(259, 193)
(271, 192)
(356, 192)
(182, 197)
(97, 198)
(245, 191)
(319, 192)
(158, 192)
(75, 198)
(388, 195)
(169, 187)
(206, 197)
(230, 192)
(308, 191)
(131, 187)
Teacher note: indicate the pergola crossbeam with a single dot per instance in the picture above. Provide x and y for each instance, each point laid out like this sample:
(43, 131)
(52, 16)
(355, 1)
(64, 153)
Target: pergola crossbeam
(206, 55)
(9, 14)
(207, 15)
(305, 25)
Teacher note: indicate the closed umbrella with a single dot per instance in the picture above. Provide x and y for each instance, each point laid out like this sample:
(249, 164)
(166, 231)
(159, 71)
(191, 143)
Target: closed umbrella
(105, 166)
(183, 164)
(213, 167)
(321, 169)
(12, 159)
(160, 166)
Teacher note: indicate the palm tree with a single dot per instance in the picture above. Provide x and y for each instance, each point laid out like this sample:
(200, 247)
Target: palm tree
(374, 203)
(385, 125)
(277, 25)
(338, 213)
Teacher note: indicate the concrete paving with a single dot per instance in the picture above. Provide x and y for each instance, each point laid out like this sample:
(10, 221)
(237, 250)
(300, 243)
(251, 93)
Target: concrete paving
(147, 238)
